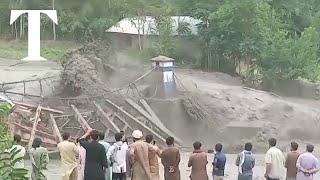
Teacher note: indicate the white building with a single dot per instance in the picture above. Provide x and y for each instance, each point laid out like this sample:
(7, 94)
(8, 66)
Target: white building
(126, 32)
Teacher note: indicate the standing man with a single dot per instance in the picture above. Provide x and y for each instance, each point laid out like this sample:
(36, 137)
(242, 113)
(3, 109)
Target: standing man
(124, 138)
(139, 155)
(245, 162)
(106, 145)
(170, 159)
(275, 162)
(22, 151)
(153, 158)
(307, 165)
(81, 160)
(39, 158)
(69, 153)
(198, 161)
(117, 157)
(125, 143)
(219, 163)
(291, 161)
(96, 159)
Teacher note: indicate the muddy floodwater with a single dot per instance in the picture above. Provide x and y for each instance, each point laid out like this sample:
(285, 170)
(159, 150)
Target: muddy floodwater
(231, 170)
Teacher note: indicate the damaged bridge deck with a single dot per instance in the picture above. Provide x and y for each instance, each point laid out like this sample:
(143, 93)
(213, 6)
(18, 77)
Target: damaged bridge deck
(105, 115)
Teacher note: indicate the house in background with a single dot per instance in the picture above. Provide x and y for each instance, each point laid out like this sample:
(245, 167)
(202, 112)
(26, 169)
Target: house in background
(125, 34)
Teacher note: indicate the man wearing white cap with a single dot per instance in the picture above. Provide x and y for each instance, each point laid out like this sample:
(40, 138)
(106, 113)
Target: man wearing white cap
(139, 154)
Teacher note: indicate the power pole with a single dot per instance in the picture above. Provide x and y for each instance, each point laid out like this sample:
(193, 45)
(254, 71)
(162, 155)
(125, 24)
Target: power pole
(53, 24)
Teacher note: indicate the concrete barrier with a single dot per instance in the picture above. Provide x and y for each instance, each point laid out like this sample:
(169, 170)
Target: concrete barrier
(293, 88)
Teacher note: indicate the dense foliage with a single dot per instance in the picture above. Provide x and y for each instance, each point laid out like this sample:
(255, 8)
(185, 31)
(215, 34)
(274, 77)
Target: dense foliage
(8, 159)
(4, 136)
(259, 38)
(78, 19)
(7, 169)
(252, 38)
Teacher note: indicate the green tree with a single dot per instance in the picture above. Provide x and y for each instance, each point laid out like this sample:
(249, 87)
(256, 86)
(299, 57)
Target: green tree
(8, 159)
(260, 38)
(88, 20)
(230, 34)
(138, 10)
(4, 17)
(7, 169)
(164, 25)
(5, 109)
(292, 58)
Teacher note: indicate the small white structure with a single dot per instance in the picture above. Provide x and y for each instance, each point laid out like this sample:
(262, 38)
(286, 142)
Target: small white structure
(162, 61)
(165, 73)
(165, 65)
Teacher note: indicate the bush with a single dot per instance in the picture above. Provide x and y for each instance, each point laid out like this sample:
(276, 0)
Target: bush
(8, 159)
(4, 136)
(7, 169)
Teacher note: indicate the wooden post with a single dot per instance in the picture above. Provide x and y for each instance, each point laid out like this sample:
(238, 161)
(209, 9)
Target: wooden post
(92, 122)
(150, 116)
(34, 107)
(84, 124)
(56, 131)
(106, 134)
(108, 123)
(140, 109)
(64, 124)
(158, 121)
(39, 132)
(53, 23)
(148, 108)
(24, 88)
(136, 120)
(34, 127)
(155, 118)
(126, 125)
(41, 89)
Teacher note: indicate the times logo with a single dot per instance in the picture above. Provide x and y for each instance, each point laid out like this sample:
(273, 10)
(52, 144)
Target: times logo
(34, 30)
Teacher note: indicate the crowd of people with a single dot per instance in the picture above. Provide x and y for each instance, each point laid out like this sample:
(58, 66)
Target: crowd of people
(91, 157)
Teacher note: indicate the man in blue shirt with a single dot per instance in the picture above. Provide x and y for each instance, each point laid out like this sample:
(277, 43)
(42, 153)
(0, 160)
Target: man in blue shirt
(245, 162)
(219, 163)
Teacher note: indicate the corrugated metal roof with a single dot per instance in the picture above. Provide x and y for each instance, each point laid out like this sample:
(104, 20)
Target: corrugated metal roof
(162, 59)
(132, 25)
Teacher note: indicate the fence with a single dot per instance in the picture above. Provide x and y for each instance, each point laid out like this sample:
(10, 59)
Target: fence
(40, 93)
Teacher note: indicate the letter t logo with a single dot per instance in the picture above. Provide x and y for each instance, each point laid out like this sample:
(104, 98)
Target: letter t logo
(34, 30)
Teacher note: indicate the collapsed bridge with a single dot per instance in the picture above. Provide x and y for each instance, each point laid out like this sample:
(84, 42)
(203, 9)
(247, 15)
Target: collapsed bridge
(92, 105)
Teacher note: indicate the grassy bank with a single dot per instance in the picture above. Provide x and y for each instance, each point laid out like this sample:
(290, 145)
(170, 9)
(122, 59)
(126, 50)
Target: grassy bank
(52, 50)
